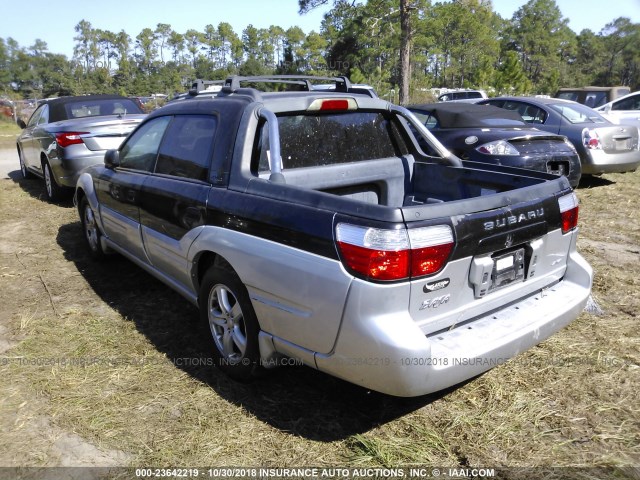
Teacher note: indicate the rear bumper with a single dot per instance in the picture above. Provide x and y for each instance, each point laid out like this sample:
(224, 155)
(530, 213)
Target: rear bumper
(390, 354)
(76, 158)
(598, 161)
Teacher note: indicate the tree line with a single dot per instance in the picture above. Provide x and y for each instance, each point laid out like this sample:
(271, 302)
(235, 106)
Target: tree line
(418, 44)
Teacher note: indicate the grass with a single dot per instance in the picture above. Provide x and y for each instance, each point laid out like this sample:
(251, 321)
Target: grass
(140, 388)
(8, 133)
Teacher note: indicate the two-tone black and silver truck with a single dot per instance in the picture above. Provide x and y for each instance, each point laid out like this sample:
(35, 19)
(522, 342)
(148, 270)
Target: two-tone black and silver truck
(311, 224)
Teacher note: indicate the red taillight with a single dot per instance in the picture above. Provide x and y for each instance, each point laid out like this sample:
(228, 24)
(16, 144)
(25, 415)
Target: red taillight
(379, 254)
(568, 212)
(64, 139)
(590, 139)
(333, 105)
(430, 249)
(376, 264)
(429, 260)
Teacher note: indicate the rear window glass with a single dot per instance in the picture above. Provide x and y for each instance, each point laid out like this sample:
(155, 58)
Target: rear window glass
(595, 99)
(575, 113)
(317, 140)
(96, 108)
(500, 122)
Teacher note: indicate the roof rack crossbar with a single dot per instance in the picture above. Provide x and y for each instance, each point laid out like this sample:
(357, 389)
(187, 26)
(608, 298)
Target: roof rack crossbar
(233, 83)
(199, 85)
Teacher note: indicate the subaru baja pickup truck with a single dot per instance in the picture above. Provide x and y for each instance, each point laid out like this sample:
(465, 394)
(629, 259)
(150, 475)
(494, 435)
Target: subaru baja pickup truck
(312, 225)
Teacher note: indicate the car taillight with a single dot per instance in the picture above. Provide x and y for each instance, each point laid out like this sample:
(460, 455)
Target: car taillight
(590, 139)
(332, 104)
(568, 212)
(379, 254)
(430, 249)
(64, 139)
(498, 147)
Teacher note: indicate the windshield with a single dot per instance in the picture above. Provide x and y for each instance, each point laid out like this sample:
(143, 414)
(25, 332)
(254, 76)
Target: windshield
(575, 113)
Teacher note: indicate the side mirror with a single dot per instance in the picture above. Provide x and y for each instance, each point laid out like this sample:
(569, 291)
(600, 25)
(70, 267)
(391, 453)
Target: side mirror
(112, 159)
(21, 123)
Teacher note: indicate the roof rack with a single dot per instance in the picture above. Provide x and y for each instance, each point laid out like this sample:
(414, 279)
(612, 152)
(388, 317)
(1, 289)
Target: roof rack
(232, 84)
(200, 85)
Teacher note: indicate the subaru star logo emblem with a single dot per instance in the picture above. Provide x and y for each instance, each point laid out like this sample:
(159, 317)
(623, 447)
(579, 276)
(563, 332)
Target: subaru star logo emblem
(509, 241)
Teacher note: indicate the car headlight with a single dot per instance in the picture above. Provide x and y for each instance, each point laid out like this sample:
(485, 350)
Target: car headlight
(498, 147)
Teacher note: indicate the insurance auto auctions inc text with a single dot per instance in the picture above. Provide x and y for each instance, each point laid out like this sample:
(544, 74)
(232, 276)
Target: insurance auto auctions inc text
(382, 473)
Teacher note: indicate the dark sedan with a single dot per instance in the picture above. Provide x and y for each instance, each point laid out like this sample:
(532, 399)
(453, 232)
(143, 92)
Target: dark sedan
(603, 147)
(492, 135)
(66, 134)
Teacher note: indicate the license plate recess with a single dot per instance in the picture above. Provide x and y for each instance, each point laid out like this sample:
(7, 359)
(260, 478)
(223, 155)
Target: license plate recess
(508, 268)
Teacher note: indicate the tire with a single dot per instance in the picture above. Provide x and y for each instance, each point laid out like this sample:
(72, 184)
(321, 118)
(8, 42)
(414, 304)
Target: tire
(55, 192)
(92, 233)
(26, 174)
(227, 314)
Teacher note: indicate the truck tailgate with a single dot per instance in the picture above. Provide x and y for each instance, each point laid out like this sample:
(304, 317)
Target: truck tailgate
(501, 254)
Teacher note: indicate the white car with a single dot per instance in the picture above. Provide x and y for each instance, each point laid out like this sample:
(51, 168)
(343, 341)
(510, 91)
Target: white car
(623, 110)
(468, 96)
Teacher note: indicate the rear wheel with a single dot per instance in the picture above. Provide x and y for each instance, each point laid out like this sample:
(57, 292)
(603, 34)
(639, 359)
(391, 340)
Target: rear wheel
(227, 313)
(90, 229)
(55, 192)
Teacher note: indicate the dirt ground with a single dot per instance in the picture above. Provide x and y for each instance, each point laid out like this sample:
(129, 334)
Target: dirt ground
(102, 365)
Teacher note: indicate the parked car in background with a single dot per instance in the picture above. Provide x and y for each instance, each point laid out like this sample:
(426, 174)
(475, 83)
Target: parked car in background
(603, 146)
(66, 134)
(462, 96)
(355, 87)
(623, 110)
(592, 96)
(487, 134)
(7, 108)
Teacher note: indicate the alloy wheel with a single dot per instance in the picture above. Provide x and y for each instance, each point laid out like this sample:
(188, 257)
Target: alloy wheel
(90, 228)
(226, 321)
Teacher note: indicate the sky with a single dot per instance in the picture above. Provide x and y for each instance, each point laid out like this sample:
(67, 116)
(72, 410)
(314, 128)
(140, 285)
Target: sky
(57, 27)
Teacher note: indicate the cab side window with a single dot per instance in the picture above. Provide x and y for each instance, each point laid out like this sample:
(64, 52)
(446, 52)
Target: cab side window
(186, 149)
(141, 149)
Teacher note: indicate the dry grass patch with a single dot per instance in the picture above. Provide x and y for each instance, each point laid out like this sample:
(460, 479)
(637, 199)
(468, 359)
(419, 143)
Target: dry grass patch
(129, 375)
(9, 131)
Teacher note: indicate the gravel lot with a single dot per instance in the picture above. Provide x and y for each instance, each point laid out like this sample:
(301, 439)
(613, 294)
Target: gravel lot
(8, 162)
